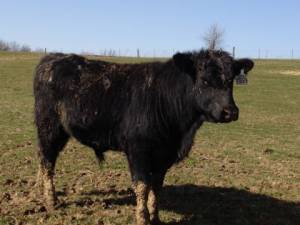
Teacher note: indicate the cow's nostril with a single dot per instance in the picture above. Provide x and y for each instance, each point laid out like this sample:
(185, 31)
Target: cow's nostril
(226, 112)
(230, 114)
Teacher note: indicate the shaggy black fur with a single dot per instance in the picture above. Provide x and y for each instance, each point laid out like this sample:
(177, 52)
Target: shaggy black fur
(150, 111)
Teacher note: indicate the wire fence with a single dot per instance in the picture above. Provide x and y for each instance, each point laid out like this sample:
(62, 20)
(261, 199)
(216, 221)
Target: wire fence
(265, 53)
(258, 53)
(138, 52)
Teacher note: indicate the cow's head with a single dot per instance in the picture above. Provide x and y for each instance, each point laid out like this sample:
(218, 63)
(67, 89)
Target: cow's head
(213, 73)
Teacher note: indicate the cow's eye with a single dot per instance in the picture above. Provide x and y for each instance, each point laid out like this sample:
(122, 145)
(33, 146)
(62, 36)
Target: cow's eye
(205, 82)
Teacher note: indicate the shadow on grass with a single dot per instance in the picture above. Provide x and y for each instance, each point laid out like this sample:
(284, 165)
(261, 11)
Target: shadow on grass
(216, 205)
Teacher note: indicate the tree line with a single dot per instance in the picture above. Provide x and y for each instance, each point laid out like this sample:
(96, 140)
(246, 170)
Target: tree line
(213, 39)
(12, 46)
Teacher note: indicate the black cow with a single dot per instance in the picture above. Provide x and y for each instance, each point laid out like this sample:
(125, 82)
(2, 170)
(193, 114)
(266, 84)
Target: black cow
(151, 111)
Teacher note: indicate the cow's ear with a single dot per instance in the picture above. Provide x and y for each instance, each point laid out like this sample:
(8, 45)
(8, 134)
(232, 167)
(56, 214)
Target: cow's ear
(242, 65)
(185, 63)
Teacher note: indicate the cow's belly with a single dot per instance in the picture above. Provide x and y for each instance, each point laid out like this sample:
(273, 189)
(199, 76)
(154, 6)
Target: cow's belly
(88, 128)
(96, 138)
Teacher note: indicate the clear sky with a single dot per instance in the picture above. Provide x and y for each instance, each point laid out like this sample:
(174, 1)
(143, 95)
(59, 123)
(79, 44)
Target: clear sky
(157, 27)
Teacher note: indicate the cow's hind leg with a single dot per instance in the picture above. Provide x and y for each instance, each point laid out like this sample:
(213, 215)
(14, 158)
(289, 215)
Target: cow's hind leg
(51, 139)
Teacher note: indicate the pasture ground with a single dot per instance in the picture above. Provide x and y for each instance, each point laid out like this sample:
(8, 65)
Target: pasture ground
(243, 173)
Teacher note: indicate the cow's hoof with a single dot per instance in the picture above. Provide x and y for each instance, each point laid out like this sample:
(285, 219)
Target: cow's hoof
(50, 207)
(52, 204)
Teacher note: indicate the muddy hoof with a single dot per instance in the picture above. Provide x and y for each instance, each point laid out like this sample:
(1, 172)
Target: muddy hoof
(52, 205)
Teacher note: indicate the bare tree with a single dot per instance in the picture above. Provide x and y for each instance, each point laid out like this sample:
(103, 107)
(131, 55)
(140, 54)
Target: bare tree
(39, 50)
(14, 46)
(3, 46)
(213, 38)
(25, 48)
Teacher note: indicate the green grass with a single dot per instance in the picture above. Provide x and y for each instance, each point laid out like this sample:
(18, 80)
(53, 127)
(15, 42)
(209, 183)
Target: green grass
(247, 172)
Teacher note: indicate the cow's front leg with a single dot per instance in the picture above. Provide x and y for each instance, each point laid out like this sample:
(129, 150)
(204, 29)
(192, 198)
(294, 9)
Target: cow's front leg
(152, 206)
(156, 185)
(141, 178)
(141, 190)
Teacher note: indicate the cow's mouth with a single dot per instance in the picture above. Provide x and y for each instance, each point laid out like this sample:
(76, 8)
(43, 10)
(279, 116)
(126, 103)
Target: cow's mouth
(224, 117)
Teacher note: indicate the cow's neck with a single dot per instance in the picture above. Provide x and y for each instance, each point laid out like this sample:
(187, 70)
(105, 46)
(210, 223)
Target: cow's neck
(178, 111)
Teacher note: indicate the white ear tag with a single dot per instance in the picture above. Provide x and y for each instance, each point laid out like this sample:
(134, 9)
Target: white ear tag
(242, 73)
(241, 78)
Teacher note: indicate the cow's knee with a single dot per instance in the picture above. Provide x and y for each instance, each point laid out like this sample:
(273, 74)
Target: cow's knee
(141, 190)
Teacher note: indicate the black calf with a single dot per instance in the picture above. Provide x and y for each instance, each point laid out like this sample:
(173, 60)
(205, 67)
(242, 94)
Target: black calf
(150, 111)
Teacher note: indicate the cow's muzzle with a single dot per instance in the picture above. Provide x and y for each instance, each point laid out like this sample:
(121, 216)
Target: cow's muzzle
(229, 114)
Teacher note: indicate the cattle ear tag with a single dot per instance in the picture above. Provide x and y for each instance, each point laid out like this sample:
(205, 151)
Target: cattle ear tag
(242, 73)
(241, 78)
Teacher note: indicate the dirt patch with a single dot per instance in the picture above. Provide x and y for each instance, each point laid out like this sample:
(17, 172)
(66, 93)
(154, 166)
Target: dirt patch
(290, 72)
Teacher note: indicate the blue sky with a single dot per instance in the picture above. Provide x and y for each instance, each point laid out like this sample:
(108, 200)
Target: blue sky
(157, 27)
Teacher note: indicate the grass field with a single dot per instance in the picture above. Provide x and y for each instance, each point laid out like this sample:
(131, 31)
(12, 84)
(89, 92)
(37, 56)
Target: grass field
(243, 173)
